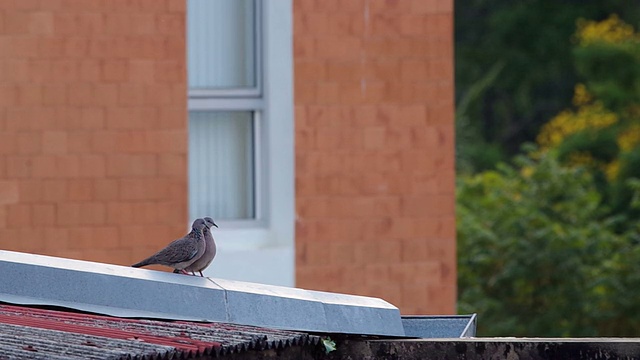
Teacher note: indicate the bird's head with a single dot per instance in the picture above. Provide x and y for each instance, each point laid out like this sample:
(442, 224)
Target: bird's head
(199, 224)
(209, 222)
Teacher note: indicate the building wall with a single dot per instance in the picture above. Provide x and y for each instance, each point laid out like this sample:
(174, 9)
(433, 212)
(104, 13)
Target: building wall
(92, 127)
(374, 117)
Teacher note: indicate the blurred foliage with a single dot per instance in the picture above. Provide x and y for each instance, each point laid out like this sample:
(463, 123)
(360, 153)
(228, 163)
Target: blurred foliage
(538, 255)
(515, 70)
(549, 246)
(602, 131)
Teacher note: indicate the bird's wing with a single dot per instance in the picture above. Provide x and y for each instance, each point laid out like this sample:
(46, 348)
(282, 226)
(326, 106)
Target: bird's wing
(180, 250)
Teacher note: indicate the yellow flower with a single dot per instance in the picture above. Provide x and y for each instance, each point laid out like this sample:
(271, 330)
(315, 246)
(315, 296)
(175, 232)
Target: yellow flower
(611, 30)
(581, 96)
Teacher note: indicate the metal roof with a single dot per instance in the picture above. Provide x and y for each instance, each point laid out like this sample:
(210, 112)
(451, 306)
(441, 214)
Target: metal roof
(34, 333)
(139, 293)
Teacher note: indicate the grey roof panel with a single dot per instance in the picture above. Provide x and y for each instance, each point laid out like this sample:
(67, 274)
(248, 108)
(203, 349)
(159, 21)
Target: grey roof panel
(440, 326)
(129, 292)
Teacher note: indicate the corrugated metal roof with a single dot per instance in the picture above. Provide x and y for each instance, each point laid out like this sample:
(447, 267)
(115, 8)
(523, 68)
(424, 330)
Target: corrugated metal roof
(34, 333)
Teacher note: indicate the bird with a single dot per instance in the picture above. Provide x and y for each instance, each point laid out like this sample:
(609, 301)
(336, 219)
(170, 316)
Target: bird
(182, 252)
(209, 253)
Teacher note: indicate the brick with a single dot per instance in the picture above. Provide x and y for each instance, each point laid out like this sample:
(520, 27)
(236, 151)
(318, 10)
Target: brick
(51, 47)
(312, 70)
(14, 70)
(98, 238)
(54, 95)
(21, 46)
(41, 23)
(119, 213)
(67, 166)
(90, 23)
(105, 189)
(18, 23)
(92, 166)
(65, 23)
(387, 69)
(74, 213)
(385, 24)
(142, 71)
(172, 118)
(29, 95)
(143, 24)
(344, 48)
(105, 141)
(347, 24)
(169, 71)
(155, 237)
(54, 142)
(131, 95)
(81, 94)
(80, 189)
(170, 23)
(374, 137)
(415, 300)
(174, 46)
(54, 238)
(44, 167)
(30, 191)
(78, 142)
(106, 94)
(18, 215)
(8, 143)
(304, 48)
(101, 48)
(339, 253)
(89, 70)
(29, 143)
(9, 192)
(3, 167)
(176, 5)
(115, 70)
(27, 240)
(143, 189)
(327, 93)
(172, 165)
(168, 141)
(117, 23)
(54, 190)
(92, 118)
(44, 215)
(132, 165)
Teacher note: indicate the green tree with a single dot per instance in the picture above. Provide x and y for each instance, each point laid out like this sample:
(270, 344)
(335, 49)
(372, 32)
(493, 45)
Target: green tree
(515, 70)
(538, 256)
(602, 130)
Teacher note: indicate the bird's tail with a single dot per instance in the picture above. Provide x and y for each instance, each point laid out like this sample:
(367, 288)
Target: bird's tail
(142, 263)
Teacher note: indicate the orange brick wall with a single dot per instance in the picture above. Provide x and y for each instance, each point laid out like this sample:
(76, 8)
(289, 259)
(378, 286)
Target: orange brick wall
(374, 117)
(92, 127)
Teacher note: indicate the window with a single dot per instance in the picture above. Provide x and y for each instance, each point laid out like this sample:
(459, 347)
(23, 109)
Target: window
(225, 107)
(241, 173)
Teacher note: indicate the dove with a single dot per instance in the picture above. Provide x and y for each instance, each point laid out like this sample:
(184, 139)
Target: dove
(209, 252)
(182, 252)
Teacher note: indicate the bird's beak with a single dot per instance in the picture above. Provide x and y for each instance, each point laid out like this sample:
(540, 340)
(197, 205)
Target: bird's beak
(214, 224)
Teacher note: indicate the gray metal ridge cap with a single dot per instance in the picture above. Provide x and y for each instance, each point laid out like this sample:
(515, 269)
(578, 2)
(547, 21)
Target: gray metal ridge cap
(129, 292)
(309, 310)
(299, 293)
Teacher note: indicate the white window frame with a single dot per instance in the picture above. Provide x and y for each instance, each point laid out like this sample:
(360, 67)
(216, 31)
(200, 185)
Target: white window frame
(269, 239)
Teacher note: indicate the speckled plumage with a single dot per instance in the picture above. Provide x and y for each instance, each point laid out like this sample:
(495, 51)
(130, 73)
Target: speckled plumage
(182, 252)
(210, 249)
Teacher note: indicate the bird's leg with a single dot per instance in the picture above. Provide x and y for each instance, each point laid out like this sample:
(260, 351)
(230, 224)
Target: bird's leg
(201, 274)
(184, 272)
